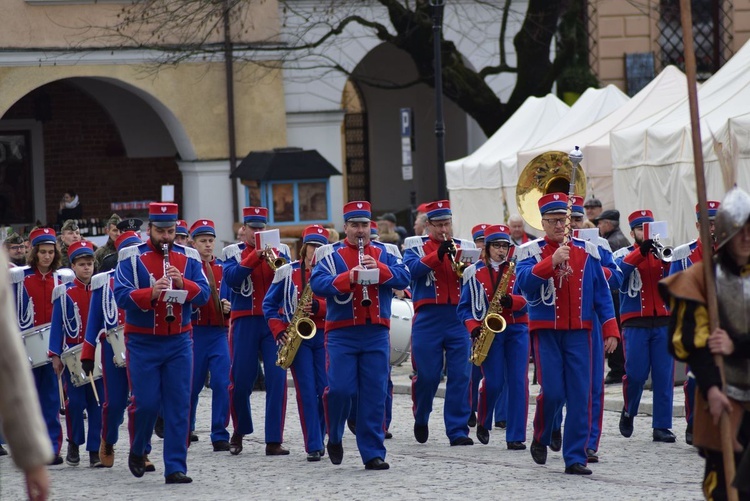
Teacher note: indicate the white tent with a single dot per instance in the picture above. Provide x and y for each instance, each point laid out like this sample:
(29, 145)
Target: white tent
(653, 161)
(663, 91)
(478, 182)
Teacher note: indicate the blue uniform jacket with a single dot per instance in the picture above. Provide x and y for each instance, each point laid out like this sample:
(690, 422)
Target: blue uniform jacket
(70, 309)
(639, 292)
(103, 312)
(330, 279)
(138, 268)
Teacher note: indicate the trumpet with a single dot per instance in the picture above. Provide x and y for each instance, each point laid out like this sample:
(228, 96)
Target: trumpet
(366, 301)
(170, 308)
(274, 260)
(661, 251)
(458, 266)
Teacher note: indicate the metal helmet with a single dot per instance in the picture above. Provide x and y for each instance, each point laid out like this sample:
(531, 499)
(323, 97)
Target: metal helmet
(733, 213)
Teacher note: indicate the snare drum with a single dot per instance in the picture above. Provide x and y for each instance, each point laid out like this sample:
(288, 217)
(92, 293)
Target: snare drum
(36, 343)
(402, 313)
(72, 360)
(116, 338)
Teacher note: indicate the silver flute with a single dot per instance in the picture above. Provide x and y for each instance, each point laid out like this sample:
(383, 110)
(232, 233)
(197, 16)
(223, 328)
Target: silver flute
(366, 301)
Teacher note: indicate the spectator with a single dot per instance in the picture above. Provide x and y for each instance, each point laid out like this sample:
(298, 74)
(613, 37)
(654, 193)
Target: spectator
(70, 208)
(420, 224)
(109, 248)
(593, 208)
(390, 225)
(16, 249)
(69, 234)
(518, 235)
(19, 405)
(608, 223)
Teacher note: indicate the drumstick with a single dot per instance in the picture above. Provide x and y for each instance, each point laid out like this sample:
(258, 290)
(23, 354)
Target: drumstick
(93, 387)
(62, 395)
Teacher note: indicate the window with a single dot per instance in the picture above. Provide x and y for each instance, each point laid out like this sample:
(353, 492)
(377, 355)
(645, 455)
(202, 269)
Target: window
(292, 202)
(711, 31)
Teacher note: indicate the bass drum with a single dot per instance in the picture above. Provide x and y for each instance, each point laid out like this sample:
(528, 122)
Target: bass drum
(402, 313)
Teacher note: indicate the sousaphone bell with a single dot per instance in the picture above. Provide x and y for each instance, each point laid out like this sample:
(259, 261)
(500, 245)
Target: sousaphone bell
(546, 173)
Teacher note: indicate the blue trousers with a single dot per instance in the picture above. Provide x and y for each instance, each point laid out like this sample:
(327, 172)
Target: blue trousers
(211, 353)
(358, 364)
(507, 364)
(646, 350)
(49, 400)
(251, 337)
(563, 361)
(80, 399)
(597, 385)
(501, 407)
(436, 330)
(116, 395)
(160, 371)
(388, 405)
(310, 381)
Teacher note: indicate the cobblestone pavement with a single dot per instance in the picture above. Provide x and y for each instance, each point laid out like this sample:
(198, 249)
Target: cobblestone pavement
(634, 468)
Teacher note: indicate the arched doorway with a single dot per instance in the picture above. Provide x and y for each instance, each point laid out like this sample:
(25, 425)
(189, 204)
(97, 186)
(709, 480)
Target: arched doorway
(95, 138)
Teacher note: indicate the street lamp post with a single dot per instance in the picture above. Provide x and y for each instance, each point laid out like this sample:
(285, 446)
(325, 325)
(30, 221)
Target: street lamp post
(437, 7)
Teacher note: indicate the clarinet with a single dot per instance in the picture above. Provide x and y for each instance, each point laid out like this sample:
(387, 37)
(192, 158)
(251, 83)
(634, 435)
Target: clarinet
(170, 308)
(365, 295)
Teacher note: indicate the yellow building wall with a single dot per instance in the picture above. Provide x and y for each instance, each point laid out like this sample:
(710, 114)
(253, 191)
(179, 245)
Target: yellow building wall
(194, 92)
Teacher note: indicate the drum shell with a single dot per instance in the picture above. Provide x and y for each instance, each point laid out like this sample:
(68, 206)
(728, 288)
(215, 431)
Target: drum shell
(72, 360)
(402, 313)
(36, 344)
(116, 339)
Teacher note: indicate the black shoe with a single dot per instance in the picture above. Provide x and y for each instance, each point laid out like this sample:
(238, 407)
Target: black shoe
(483, 434)
(472, 419)
(352, 425)
(73, 458)
(613, 378)
(577, 469)
(3, 452)
(235, 444)
(593, 457)
(177, 478)
(421, 432)
(148, 465)
(275, 449)
(626, 424)
(555, 443)
(501, 424)
(462, 441)
(159, 427)
(221, 445)
(56, 460)
(137, 465)
(388, 435)
(313, 456)
(664, 435)
(538, 452)
(94, 461)
(193, 436)
(376, 464)
(689, 434)
(335, 452)
(516, 446)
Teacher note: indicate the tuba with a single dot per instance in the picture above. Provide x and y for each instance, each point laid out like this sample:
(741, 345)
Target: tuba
(493, 322)
(549, 172)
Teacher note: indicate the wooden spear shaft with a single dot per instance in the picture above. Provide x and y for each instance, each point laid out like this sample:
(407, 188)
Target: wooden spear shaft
(727, 448)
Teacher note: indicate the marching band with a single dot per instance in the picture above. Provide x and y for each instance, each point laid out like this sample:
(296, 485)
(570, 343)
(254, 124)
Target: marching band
(170, 317)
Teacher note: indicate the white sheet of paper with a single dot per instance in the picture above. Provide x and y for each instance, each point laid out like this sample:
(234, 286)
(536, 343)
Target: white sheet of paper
(267, 238)
(174, 296)
(469, 256)
(658, 230)
(368, 276)
(588, 234)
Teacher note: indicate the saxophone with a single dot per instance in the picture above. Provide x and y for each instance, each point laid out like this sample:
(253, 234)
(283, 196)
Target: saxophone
(300, 328)
(493, 323)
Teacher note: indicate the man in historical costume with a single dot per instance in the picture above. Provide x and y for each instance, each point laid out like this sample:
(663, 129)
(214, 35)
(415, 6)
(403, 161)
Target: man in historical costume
(357, 277)
(437, 332)
(693, 342)
(566, 289)
(158, 338)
